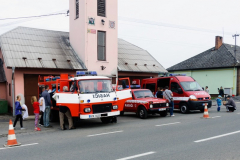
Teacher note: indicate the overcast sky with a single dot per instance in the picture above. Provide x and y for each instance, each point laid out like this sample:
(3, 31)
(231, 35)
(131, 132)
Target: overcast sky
(171, 31)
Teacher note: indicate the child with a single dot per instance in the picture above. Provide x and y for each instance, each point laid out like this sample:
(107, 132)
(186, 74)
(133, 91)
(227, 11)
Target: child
(219, 103)
(36, 111)
(18, 112)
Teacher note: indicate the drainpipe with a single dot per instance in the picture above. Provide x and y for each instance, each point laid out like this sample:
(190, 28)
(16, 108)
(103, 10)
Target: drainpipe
(13, 95)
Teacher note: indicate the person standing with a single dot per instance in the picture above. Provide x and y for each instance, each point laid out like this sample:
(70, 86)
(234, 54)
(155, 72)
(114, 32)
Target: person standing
(206, 89)
(18, 112)
(219, 103)
(221, 92)
(65, 111)
(42, 107)
(167, 94)
(159, 93)
(36, 111)
(48, 107)
(230, 105)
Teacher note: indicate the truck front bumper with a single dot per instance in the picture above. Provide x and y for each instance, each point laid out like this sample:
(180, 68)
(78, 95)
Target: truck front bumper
(198, 105)
(99, 115)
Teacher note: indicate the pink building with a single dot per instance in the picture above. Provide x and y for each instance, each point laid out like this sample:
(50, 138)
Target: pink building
(91, 44)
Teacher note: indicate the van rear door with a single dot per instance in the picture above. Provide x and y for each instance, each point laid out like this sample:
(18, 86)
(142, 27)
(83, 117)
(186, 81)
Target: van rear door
(123, 91)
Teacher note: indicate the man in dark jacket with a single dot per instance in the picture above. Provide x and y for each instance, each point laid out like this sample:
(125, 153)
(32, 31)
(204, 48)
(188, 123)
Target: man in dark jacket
(221, 92)
(230, 105)
(48, 107)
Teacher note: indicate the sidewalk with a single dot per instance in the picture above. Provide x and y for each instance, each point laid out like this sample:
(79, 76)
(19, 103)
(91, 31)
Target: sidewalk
(28, 124)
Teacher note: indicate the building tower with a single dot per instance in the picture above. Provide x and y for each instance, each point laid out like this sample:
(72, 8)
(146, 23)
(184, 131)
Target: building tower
(93, 34)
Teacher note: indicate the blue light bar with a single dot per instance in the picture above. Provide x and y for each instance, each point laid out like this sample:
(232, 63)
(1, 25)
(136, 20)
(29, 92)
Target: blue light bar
(86, 73)
(174, 74)
(92, 73)
(80, 73)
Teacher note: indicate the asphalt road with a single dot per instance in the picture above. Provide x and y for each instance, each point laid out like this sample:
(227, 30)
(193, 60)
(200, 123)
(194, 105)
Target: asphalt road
(185, 136)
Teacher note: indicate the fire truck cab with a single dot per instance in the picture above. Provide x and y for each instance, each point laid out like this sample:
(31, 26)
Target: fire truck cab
(187, 93)
(87, 96)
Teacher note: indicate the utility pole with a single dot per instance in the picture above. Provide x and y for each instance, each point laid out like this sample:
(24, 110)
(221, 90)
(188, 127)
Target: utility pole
(235, 50)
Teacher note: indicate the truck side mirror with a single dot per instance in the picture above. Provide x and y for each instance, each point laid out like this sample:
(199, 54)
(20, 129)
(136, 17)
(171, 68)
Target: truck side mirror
(180, 91)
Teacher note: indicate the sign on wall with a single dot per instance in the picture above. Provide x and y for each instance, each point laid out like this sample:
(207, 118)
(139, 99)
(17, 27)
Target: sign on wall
(91, 21)
(93, 31)
(112, 24)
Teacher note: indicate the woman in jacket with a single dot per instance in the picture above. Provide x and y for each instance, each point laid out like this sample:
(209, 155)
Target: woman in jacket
(18, 113)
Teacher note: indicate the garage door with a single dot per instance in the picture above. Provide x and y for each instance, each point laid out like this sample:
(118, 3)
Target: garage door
(30, 89)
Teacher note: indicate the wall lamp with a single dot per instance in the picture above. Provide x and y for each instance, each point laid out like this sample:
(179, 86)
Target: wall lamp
(102, 22)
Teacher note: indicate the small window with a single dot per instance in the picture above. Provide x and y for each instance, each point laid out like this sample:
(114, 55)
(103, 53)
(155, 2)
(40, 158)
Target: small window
(101, 8)
(9, 89)
(77, 9)
(101, 48)
(174, 87)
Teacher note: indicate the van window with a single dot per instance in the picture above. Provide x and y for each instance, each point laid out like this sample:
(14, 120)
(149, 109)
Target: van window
(163, 82)
(191, 86)
(174, 87)
(151, 86)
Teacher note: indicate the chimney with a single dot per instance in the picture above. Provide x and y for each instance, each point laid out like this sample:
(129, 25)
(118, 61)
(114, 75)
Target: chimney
(218, 42)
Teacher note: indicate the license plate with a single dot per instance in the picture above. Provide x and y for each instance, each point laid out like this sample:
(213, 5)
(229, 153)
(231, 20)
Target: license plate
(162, 109)
(94, 116)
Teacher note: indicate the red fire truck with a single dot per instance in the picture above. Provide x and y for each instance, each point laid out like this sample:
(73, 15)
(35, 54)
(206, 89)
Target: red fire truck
(187, 93)
(89, 96)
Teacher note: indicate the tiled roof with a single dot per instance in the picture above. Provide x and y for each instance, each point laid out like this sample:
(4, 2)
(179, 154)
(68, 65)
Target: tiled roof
(135, 59)
(221, 58)
(2, 73)
(37, 48)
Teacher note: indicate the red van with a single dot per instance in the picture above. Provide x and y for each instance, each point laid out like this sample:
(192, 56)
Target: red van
(187, 93)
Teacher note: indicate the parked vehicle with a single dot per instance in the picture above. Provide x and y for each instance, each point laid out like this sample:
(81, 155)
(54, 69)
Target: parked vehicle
(187, 93)
(89, 96)
(143, 103)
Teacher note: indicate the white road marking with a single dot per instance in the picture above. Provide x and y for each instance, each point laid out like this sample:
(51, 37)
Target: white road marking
(103, 133)
(19, 146)
(222, 135)
(136, 156)
(216, 116)
(167, 124)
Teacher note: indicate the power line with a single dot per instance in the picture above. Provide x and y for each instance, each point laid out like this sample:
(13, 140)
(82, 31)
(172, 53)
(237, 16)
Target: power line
(146, 22)
(32, 16)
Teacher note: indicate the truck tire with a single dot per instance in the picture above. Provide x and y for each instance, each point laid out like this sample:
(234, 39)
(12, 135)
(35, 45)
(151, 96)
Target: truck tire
(106, 120)
(184, 108)
(121, 113)
(163, 113)
(142, 112)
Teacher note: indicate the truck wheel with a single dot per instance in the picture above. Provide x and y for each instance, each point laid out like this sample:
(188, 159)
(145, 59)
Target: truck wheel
(184, 108)
(121, 113)
(106, 120)
(142, 112)
(163, 113)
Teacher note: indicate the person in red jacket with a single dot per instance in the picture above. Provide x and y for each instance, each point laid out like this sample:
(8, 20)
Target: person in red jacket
(36, 111)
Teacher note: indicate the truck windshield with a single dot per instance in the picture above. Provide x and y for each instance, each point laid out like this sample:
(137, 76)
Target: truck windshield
(191, 86)
(95, 86)
(143, 94)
